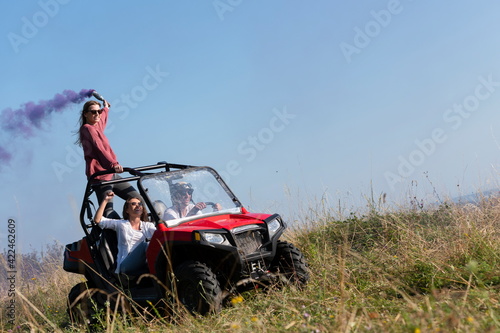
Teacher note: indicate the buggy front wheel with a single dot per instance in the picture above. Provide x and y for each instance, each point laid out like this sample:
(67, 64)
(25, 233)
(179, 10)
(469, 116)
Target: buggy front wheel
(198, 288)
(290, 264)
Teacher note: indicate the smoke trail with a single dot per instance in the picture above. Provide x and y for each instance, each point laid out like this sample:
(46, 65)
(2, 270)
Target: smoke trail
(4, 155)
(31, 116)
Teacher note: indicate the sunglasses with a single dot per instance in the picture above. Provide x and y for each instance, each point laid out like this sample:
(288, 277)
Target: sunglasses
(133, 204)
(95, 111)
(190, 192)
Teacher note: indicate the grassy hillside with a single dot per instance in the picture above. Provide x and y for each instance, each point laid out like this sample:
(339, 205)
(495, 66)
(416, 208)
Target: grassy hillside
(405, 271)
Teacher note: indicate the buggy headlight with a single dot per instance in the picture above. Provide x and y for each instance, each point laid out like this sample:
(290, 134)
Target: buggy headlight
(214, 238)
(273, 226)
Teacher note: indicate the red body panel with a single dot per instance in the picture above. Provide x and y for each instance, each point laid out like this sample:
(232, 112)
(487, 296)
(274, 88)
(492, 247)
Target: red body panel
(183, 232)
(82, 253)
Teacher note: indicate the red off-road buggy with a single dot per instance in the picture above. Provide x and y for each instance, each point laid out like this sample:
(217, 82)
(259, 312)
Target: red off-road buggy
(200, 260)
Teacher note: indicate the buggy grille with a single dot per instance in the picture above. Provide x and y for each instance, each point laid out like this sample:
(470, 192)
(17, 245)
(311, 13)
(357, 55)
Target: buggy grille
(249, 241)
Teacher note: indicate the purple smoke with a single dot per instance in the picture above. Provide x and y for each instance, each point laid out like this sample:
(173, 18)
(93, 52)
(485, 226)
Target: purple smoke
(30, 116)
(4, 155)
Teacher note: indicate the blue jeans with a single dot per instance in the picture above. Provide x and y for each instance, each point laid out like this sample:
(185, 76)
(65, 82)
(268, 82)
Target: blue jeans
(135, 262)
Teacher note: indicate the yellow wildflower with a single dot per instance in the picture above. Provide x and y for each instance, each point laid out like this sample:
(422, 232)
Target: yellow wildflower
(236, 300)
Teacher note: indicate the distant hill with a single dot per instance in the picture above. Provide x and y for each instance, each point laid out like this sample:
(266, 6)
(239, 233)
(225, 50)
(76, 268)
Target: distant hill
(476, 197)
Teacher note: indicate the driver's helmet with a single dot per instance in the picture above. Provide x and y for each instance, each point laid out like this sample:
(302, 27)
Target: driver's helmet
(179, 188)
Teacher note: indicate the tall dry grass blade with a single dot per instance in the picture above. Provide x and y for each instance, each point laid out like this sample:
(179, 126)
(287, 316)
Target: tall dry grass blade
(466, 294)
(341, 270)
(115, 312)
(350, 323)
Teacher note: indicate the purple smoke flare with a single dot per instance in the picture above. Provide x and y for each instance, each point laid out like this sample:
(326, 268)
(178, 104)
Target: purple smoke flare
(31, 116)
(4, 155)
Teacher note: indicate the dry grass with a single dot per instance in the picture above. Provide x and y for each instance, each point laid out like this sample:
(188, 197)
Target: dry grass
(405, 271)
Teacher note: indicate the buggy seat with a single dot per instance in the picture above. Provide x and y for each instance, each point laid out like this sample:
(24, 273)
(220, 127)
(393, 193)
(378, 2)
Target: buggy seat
(108, 249)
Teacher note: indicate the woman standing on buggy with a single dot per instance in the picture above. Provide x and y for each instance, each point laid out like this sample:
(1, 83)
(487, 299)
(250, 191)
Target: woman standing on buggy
(99, 155)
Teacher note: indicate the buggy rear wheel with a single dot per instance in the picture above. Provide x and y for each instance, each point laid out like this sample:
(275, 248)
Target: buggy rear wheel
(80, 304)
(198, 288)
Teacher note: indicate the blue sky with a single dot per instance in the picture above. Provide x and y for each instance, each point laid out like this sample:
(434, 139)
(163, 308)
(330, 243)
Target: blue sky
(292, 101)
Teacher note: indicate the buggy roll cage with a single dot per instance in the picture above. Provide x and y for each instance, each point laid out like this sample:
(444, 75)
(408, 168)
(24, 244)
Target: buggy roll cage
(135, 173)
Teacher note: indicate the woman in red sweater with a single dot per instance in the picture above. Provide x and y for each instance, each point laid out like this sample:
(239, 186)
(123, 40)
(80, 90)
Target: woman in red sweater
(99, 155)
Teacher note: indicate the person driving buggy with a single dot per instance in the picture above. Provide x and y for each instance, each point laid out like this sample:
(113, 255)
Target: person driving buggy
(183, 204)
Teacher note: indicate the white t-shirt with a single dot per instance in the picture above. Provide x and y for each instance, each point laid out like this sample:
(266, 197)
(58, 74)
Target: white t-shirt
(128, 238)
(174, 213)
